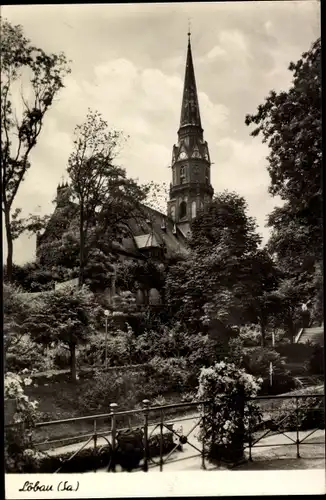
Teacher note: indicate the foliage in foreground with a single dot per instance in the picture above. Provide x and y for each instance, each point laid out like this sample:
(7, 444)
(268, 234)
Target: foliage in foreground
(18, 446)
(227, 419)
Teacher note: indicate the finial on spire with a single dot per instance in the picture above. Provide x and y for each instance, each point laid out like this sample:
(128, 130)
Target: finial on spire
(189, 29)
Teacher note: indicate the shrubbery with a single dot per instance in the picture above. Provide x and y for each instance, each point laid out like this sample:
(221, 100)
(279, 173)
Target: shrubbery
(169, 374)
(18, 445)
(108, 388)
(120, 349)
(256, 361)
(227, 419)
(25, 354)
(306, 413)
(316, 363)
(297, 353)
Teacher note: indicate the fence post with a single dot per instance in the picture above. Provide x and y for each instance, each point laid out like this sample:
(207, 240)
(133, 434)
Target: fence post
(95, 441)
(297, 419)
(240, 408)
(249, 430)
(161, 441)
(203, 466)
(113, 408)
(146, 412)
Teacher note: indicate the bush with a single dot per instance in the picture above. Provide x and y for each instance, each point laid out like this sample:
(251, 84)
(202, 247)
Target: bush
(25, 354)
(108, 388)
(165, 343)
(119, 349)
(256, 361)
(315, 365)
(250, 335)
(61, 357)
(18, 446)
(296, 353)
(310, 414)
(227, 388)
(168, 375)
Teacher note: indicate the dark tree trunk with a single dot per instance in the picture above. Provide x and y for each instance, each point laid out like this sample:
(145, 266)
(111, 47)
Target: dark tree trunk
(81, 247)
(10, 247)
(73, 368)
(263, 333)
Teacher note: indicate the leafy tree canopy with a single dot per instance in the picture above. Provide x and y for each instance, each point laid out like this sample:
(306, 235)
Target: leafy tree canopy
(30, 80)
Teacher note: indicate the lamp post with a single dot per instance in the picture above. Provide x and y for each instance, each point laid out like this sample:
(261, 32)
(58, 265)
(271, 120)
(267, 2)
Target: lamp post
(271, 364)
(107, 314)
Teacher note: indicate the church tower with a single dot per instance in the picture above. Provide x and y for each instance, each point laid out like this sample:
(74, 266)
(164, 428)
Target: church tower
(191, 188)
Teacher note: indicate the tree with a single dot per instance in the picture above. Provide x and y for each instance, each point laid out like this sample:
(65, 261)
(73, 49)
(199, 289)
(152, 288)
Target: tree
(15, 313)
(208, 283)
(22, 61)
(256, 288)
(65, 316)
(21, 351)
(106, 197)
(31, 277)
(289, 295)
(290, 123)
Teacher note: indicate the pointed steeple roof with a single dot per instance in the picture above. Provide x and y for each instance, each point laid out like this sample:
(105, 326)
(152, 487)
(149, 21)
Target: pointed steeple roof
(190, 114)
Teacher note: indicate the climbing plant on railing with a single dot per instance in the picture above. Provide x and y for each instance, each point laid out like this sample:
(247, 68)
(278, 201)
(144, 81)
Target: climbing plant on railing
(20, 453)
(230, 414)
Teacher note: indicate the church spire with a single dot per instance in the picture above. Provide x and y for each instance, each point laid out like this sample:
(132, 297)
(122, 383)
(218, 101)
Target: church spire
(190, 114)
(190, 190)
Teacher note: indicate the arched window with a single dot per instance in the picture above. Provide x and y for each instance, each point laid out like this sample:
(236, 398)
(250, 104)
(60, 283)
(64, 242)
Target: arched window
(173, 176)
(140, 299)
(182, 175)
(173, 213)
(154, 297)
(193, 210)
(183, 210)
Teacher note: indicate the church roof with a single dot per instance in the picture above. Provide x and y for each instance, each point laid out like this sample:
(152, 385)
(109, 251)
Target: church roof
(152, 229)
(190, 114)
(155, 229)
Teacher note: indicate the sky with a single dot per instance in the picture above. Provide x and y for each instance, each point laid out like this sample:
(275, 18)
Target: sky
(128, 62)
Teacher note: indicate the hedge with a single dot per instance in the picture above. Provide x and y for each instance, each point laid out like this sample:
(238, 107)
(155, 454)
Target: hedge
(92, 459)
(295, 352)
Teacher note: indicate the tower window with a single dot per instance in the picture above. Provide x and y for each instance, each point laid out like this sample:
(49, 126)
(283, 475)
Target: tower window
(173, 176)
(182, 175)
(193, 210)
(183, 210)
(173, 213)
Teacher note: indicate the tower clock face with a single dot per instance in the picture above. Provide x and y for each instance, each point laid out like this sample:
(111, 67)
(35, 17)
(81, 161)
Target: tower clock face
(182, 155)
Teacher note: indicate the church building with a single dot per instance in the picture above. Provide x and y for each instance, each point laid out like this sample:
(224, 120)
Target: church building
(158, 235)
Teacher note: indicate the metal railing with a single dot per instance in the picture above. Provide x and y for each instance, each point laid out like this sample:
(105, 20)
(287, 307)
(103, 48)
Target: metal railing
(179, 421)
(150, 426)
(283, 425)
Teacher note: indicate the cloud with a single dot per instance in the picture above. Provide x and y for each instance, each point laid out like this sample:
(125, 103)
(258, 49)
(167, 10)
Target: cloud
(128, 63)
(242, 167)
